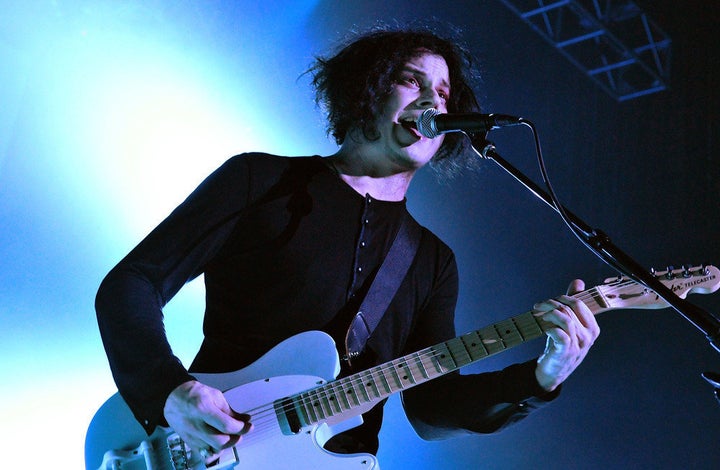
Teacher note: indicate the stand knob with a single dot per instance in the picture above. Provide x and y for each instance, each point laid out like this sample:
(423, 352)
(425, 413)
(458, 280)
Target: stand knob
(713, 378)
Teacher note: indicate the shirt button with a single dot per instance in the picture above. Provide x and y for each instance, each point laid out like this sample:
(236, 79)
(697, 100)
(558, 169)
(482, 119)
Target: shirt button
(362, 244)
(359, 269)
(367, 221)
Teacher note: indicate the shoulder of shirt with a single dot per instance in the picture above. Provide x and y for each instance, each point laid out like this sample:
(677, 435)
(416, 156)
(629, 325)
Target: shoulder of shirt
(260, 159)
(438, 245)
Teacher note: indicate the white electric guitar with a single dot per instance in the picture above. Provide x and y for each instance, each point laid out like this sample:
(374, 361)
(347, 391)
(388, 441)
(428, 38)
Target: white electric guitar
(296, 405)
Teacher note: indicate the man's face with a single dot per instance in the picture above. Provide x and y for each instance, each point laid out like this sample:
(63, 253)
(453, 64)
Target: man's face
(423, 83)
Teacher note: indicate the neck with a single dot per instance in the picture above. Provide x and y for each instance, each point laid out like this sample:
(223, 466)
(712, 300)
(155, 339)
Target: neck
(365, 176)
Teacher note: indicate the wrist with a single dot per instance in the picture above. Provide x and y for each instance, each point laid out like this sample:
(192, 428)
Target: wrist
(545, 381)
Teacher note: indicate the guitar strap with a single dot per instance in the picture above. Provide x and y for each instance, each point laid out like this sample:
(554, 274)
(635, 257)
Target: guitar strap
(383, 288)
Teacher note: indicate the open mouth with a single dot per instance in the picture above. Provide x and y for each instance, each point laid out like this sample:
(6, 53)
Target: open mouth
(411, 126)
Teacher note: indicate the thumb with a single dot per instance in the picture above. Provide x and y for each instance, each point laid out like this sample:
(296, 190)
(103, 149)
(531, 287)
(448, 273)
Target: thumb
(232, 422)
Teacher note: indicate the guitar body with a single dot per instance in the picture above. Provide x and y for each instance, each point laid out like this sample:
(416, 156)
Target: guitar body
(295, 365)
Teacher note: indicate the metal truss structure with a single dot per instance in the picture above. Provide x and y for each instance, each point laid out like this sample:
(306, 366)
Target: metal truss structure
(612, 41)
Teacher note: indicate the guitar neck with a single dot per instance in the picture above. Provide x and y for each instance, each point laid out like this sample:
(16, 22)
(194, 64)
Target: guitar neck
(369, 387)
(357, 393)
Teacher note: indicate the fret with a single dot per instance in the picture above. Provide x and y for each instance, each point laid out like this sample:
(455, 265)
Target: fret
(343, 396)
(384, 380)
(309, 408)
(509, 333)
(370, 387)
(406, 375)
(300, 406)
(319, 404)
(528, 326)
(396, 383)
(418, 360)
(491, 339)
(363, 396)
(442, 358)
(459, 352)
(351, 391)
(474, 345)
(333, 402)
(429, 359)
(598, 299)
(315, 407)
(325, 402)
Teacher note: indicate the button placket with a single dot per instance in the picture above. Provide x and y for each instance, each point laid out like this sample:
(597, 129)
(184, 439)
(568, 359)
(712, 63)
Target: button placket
(362, 243)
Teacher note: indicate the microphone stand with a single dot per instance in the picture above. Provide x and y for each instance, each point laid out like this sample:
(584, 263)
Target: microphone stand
(599, 243)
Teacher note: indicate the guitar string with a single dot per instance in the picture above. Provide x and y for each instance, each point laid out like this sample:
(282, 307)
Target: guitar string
(265, 416)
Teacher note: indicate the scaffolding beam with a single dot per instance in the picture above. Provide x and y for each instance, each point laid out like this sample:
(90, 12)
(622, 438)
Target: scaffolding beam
(612, 41)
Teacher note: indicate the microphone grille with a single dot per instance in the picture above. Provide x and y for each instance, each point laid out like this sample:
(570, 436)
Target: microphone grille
(426, 123)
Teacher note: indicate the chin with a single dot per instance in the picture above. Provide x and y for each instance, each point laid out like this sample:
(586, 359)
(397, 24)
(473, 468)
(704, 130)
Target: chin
(424, 155)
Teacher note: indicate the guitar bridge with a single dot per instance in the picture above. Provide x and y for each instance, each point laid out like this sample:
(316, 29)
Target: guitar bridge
(139, 458)
(182, 457)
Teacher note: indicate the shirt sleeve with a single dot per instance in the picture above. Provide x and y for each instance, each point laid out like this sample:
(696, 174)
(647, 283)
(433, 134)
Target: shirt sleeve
(130, 299)
(472, 403)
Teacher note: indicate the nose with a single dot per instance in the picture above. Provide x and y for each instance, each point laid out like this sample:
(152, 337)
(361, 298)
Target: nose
(430, 98)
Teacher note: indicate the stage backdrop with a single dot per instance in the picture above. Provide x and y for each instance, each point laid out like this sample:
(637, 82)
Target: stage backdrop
(112, 111)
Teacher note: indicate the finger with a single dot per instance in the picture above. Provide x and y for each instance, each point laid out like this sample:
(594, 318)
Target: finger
(556, 311)
(553, 304)
(582, 313)
(564, 321)
(577, 285)
(223, 440)
(223, 424)
(224, 419)
(583, 326)
(245, 419)
(560, 338)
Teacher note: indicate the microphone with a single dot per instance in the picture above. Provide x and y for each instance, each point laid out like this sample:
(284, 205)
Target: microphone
(432, 123)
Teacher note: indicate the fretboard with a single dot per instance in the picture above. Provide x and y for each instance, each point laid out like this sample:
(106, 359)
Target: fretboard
(367, 388)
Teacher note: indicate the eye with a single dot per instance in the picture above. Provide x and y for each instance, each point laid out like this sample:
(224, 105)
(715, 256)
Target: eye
(412, 81)
(443, 95)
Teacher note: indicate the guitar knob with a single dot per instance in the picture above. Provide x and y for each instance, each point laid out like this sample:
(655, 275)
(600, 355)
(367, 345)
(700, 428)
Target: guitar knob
(686, 270)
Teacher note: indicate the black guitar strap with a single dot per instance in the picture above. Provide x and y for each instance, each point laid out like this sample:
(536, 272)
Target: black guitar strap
(383, 288)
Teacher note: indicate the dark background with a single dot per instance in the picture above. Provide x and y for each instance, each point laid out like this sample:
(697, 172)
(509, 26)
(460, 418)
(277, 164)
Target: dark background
(78, 185)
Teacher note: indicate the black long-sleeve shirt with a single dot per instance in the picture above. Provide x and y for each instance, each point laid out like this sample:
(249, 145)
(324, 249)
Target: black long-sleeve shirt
(286, 246)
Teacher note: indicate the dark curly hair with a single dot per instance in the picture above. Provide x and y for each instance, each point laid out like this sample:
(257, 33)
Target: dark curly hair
(352, 85)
